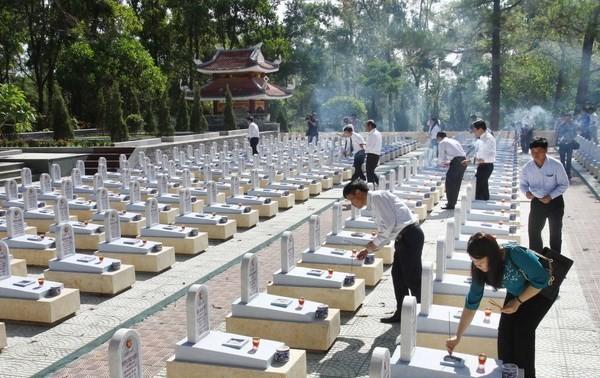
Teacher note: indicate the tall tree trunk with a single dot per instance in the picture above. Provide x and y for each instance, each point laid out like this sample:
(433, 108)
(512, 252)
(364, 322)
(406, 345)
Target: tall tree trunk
(586, 57)
(495, 84)
(560, 83)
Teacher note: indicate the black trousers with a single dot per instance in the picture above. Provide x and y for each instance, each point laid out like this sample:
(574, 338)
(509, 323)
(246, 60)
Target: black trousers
(454, 178)
(516, 332)
(359, 159)
(538, 213)
(253, 144)
(566, 154)
(482, 188)
(407, 267)
(372, 161)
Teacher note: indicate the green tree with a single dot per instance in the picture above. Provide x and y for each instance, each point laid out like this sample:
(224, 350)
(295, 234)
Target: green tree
(149, 119)
(16, 115)
(165, 123)
(62, 123)
(183, 118)
(114, 117)
(229, 119)
(195, 125)
(101, 100)
(135, 123)
(339, 107)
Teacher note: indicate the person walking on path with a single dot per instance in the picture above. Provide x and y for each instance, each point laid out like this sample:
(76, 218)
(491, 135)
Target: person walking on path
(544, 181)
(434, 128)
(485, 157)
(355, 146)
(373, 150)
(451, 155)
(519, 271)
(394, 221)
(565, 138)
(253, 134)
(312, 131)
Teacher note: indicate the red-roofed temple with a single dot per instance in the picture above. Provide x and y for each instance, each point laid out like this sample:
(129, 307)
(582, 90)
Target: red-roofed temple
(245, 72)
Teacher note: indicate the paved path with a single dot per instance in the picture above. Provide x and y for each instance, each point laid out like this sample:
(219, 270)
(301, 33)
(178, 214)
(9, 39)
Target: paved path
(568, 339)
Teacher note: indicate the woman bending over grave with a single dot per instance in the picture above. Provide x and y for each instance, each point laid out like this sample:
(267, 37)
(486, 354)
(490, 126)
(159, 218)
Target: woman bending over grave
(519, 271)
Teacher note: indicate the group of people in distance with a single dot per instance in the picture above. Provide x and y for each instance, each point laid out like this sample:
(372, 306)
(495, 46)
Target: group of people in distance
(513, 267)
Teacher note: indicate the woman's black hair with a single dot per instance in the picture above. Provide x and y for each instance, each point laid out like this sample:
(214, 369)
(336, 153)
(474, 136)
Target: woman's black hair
(483, 245)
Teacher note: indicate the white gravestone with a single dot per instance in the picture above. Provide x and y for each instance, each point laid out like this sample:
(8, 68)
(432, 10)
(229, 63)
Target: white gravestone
(185, 201)
(122, 160)
(288, 256)
(440, 259)
(102, 200)
(380, 363)
(198, 320)
(426, 287)
(126, 177)
(152, 217)
(408, 328)
(235, 185)
(65, 243)
(4, 261)
(190, 150)
(45, 183)
(225, 169)
(26, 179)
(66, 189)
(61, 210)
(186, 178)
(14, 222)
(211, 193)
(171, 168)
(314, 230)
(354, 213)
(11, 190)
(158, 156)
(338, 220)
(103, 171)
(135, 195)
(55, 170)
(162, 184)
(76, 177)
(113, 227)
(202, 149)
(249, 277)
(197, 156)
(242, 166)
(206, 173)
(97, 181)
(80, 164)
(254, 179)
(272, 173)
(30, 198)
(151, 173)
(124, 353)
(102, 160)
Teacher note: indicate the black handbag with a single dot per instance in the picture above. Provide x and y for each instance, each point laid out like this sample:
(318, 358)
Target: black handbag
(557, 266)
(575, 145)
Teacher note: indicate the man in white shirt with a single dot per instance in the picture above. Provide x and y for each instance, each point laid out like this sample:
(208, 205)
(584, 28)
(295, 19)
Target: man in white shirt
(253, 134)
(434, 129)
(543, 181)
(373, 150)
(394, 221)
(451, 155)
(485, 157)
(355, 146)
(593, 123)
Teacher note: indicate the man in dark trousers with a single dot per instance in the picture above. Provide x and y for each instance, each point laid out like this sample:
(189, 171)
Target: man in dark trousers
(354, 146)
(485, 157)
(394, 221)
(544, 180)
(450, 149)
(373, 150)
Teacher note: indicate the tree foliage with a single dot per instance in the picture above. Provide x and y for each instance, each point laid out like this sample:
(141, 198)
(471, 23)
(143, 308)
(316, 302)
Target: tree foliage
(229, 119)
(16, 114)
(62, 123)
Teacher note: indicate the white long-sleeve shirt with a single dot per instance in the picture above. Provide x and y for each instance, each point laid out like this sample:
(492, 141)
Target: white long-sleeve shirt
(390, 214)
(549, 179)
(449, 149)
(374, 142)
(253, 130)
(355, 140)
(486, 148)
(433, 131)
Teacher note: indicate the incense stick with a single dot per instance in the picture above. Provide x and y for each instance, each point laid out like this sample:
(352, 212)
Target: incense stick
(494, 303)
(449, 336)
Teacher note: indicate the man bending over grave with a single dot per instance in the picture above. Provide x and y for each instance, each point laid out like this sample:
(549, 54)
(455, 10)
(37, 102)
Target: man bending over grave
(394, 220)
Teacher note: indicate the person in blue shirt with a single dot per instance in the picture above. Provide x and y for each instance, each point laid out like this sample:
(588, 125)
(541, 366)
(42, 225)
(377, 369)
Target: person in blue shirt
(544, 181)
(519, 271)
(565, 136)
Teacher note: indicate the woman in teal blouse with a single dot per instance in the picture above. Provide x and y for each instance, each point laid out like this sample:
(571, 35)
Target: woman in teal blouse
(519, 271)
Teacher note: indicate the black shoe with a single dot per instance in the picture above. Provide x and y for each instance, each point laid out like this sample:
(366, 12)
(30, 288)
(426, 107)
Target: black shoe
(447, 207)
(392, 319)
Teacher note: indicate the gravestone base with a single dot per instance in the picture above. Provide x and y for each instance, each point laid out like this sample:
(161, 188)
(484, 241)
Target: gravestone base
(459, 301)
(468, 344)
(34, 256)
(132, 229)
(245, 220)
(43, 225)
(221, 198)
(327, 183)
(420, 211)
(190, 245)
(314, 189)
(167, 217)
(428, 202)
(317, 335)
(28, 230)
(371, 273)
(85, 242)
(347, 174)
(337, 179)
(301, 194)
(150, 262)
(45, 310)
(285, 202)
(222, 231)
(266, 210)
(386, 253)
(82, 214)
(18, 267)
(109, 283)
(245, 188)
(118, 205)
(294, 368)
(3, 342)
(347, 298)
